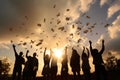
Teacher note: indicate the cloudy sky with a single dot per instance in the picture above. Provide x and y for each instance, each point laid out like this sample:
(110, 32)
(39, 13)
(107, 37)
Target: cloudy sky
(36, 24)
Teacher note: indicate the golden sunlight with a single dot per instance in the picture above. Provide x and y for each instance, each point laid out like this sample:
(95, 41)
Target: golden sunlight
(48, 52)
(58, 52)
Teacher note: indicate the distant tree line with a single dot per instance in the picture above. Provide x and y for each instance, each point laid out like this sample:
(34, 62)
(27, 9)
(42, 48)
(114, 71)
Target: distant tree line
(4, 67)
(112, 63)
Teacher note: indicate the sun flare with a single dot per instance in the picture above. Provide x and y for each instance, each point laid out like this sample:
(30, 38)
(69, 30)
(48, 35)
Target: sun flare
(58, 52)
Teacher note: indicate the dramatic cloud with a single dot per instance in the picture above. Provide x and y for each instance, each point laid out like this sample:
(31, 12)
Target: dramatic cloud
(4, 46)
(20, 18)
(47, 20)
(85, 5)
(29, 20)
(114, 30)
(102, 2)
(112, 38)
(115, 7)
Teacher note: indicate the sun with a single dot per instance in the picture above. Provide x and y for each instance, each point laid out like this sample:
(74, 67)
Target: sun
(58, 52)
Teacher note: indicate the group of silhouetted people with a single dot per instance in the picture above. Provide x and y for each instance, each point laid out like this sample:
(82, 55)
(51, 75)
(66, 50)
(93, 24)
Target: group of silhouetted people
(100, 71)
(30, 68)
(50, 67)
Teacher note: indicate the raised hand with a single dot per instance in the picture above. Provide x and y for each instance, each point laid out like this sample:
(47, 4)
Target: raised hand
(87, 48)
(103, 41)
(14, 45)
(90, 42)
(83, 47)
(88, 51)
(15, 50)
(45, 48)
(90, 45)
(27, 51)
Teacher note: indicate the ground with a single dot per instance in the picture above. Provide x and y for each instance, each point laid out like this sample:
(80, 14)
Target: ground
(112, 75)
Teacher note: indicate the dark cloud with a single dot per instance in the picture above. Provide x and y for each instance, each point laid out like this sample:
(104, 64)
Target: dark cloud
(21, 18)
(12, 15)
(114, 34)
(113, 44)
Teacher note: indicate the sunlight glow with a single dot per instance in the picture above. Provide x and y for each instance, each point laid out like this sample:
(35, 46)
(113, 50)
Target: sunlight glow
(58, 52)
(48, 52)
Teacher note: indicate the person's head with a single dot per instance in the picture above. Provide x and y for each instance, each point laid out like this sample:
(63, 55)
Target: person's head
(74, 52)
(34, 54)
(21, 53)
(95, 51)
(47, 56)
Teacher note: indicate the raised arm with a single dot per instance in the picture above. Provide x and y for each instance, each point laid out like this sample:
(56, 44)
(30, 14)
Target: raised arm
(44, 52)
(103, 47)
(88, 52)
(27, 53)
(90, 46)
(15, 50)
(83, 49)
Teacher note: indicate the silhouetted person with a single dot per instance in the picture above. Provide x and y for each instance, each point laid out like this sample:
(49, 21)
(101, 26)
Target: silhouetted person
(75, 63)
(64, 70)
(54, 67)
(98, 62)
(28, 69)
(35, 65)
(19, 60)
(85, 64)
(46, 68)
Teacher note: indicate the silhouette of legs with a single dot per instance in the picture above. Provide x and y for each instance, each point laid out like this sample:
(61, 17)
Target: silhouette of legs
(64, 73)
(14, 74)
(34, 75)
(19, 75)
(15, 71)
(53, 72)
(100, 72)
(87, 74)
(24, 75)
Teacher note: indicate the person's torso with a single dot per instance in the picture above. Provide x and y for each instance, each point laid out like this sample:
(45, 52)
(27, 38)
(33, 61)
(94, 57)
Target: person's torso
(19, 61)
(97, 59)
